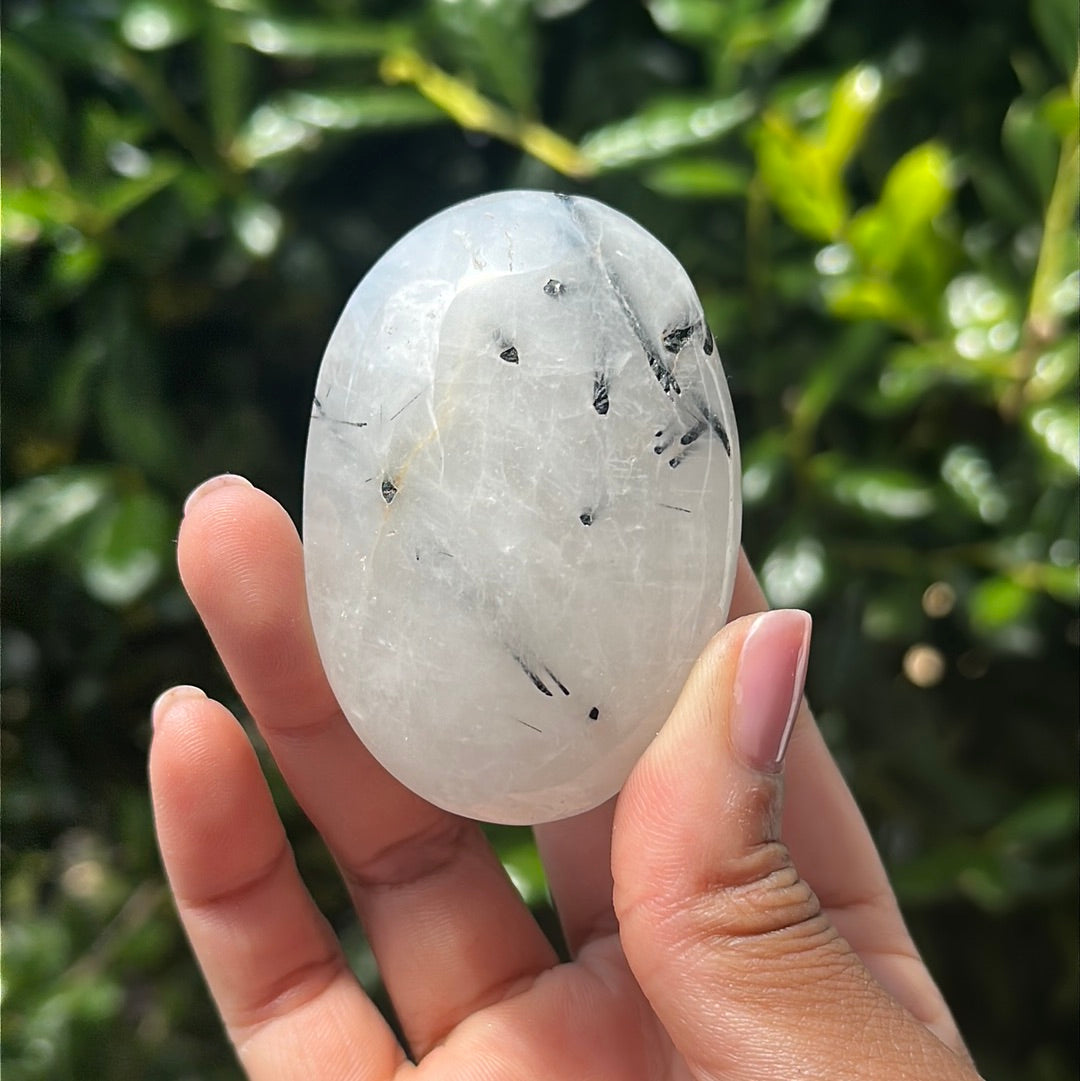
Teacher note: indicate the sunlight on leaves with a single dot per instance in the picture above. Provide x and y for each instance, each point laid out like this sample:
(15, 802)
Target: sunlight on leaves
(664, 128)
(37, 513)
(1056, 428)
(300, 39)
(794, 572)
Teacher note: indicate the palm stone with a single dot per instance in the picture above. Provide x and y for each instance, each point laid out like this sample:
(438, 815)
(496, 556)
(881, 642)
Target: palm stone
(521, 504)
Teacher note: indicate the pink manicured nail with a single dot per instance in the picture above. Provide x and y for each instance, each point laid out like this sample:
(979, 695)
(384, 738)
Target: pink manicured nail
(169, 698)
(211, 485)
(769, 687)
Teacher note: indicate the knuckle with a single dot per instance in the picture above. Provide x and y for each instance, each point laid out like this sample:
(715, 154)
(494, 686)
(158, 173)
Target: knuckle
(286, 997)
(765, 924)
(756, 908)
(421, 855)
(758, 895)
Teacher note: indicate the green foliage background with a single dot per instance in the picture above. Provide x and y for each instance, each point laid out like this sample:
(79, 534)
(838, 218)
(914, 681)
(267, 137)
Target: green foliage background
(877, 203)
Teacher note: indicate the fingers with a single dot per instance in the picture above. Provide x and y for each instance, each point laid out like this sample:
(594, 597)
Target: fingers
(425, 883)
(273, 964)
(742, 965)
(576, 853)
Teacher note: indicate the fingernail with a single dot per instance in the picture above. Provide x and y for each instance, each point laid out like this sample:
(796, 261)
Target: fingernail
(211, 485)
(769, 686)
(167, 699)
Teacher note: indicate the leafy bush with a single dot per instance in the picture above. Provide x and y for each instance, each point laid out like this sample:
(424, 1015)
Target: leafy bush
(878, 206)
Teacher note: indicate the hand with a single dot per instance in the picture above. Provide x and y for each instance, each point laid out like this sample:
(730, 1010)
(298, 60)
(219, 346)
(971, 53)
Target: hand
(699, 950)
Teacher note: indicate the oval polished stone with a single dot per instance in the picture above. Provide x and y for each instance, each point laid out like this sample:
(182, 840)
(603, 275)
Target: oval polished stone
(521, 503)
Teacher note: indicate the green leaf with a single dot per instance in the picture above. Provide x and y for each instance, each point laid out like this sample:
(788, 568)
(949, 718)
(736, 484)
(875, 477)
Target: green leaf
(1061, 583)
(997, 603)
(776, 30)
(557, 9)
(150, 25)
(73, 268)
(797, 21)
(32, 107)
(902, 259)
(1046, 817)
(42, 512)
(968, 473)
(699, 178)
(764, 462)
(47, 207)
(1032, 144)
(1060, 112)
(874, 491)
(852, 105)
(909, 372)
(885, 493)
(317, 38)
(17, 229)
(800, 179)
(1058, 24)
(869, 298)
(690, 20)
(794, 572)
(113, 200)
(257, 225)
(977, 300)
(375, 107)
(495, 41)
(916, 190)
(112, 141)
(665, 127)
(933, 875)
(296, 121)
(1055, 427)
(518, 854)
(1055, 370)
(985, 872)
(920, 185)
(525, 870)
(125, 551)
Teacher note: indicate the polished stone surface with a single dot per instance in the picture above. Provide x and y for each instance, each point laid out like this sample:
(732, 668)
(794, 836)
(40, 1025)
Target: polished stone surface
(521, 508)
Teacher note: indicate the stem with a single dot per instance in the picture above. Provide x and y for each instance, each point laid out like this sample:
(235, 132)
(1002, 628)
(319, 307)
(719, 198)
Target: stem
(174, 118)
(1060, 210)
(135, 913)
(473, 111)
(1042, 325)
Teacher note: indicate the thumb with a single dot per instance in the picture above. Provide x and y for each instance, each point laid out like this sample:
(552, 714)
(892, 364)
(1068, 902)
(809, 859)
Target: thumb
(730, 945)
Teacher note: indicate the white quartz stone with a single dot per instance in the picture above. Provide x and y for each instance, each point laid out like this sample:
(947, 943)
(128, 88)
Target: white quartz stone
(521, 508)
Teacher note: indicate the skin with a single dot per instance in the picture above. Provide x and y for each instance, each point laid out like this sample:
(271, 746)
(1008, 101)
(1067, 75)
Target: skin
(699, 951)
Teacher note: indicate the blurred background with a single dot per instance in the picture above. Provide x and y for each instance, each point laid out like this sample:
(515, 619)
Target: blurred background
(878, 204)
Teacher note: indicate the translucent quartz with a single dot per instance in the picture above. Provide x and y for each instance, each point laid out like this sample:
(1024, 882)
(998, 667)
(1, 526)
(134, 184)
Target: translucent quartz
(521, 507)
